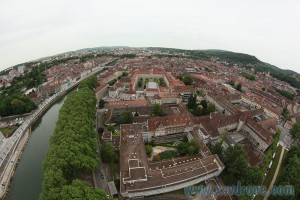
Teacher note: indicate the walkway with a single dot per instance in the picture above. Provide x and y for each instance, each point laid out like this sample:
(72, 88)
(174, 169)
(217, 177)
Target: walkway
(275, 175)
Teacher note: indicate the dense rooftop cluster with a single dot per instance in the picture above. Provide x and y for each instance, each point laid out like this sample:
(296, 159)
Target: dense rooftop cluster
(152, 100)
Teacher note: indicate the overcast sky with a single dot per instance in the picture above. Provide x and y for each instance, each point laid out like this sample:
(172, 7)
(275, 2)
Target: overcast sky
(268, 29)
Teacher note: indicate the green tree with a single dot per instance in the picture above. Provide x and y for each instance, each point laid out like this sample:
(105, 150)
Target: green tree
(157, 111)
(15, 104)
(149, 149)
(188, 80)
(124, 73)
(100, 130)
(289, 173)
(111, 128)
(90, 82)
(140, 83)
(162, 82)
(239, 87)
(237, 169)
(217, 149)
(198, 111)
(295, 131)
(203, 103)
(248, 76)
(107, 152)
(211, 108)
(192, 102)
(73, 143)
(286, 94)
(285, 113)
(79, 190)
(188, 148)
(127, 116)
(124, 117)
(101, 104)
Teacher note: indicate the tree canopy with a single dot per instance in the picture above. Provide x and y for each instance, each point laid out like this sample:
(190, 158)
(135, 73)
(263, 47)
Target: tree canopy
(107, 152)
(248, 76)
(101, 103)
(15, 104)
(202, 108)
(78, 189)
(188, 148)
(286, 94)
(124, 117)
(295, 131)
(72, 147)
(188, 80)
(157, 111)
(289, 173)
(237, 168)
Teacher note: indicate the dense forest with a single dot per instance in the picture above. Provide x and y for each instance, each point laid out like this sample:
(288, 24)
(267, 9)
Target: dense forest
(72, 148)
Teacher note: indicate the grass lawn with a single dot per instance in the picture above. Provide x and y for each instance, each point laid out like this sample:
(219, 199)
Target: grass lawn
(271, 171)
(166, 155)
(8, 131)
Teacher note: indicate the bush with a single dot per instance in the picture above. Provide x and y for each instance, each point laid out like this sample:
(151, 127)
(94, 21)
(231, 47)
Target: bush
(156, 157)
(188, 148)
(148, 150)
(169, 154)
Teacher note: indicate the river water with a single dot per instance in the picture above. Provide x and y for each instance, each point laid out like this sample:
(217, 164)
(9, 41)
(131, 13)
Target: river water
(28, 178)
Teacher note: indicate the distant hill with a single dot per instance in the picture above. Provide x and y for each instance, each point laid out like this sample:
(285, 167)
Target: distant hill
(242, 59)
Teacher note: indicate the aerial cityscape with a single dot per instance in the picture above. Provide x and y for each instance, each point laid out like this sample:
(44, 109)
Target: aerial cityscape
(153, 123)
(154, 100)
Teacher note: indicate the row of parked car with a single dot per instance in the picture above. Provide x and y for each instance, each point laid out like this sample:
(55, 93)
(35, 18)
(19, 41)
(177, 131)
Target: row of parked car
(17, 121)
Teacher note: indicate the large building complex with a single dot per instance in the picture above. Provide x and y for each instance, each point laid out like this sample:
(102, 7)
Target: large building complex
(140, 178)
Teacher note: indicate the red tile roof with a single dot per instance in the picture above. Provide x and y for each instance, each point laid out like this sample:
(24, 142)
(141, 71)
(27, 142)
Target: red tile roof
(116, 104)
